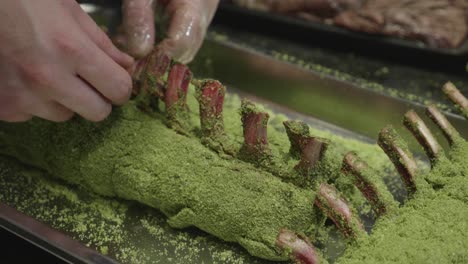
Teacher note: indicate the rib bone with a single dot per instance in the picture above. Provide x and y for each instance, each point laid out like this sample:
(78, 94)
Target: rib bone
(337, 209)
(456, 97)
(210, 96)
(296, 130)
(312, 151)
(398, 152)
(175, 97)
(254, 123)
(450, 133)
(421, 132)
(367, 182)
(301, 250)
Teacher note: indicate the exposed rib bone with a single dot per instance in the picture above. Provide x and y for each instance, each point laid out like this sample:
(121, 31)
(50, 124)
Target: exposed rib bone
(138, 68)
(368, 183)
(156, 65)
(210, 96)
(441, 121)
(337, 209)
(312, 151)
(398, 152)
(456, 97)
(254, 123)
(296, 130)
(176, 95)
(421, 132)
(148, 84)
(301, 249)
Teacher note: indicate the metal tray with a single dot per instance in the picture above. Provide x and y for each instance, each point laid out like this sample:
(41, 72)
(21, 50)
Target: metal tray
(320, 34)
(50, 240)
(252, 74)
(339, 102)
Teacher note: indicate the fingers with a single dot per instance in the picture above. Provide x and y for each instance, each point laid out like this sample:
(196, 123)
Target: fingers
(183, 31)
(106, 76)
(24, 105)
(189, 23)
(55, 93)
(80, 81)
(10, 100)
(98, 36)
(73, 67)
(51, 111)
(82, 99)
(47, 99)
(15, 117)
(103, 66)
(138, 22)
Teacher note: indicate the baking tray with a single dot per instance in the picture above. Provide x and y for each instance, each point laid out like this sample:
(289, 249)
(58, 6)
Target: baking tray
(35, 207)
(48, 239)
(309, 29)
(291, 87)
(333, 37)
(329, 36)
(19, 185)
(246, 73)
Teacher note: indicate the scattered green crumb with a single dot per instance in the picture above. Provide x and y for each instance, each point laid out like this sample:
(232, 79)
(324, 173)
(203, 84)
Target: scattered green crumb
(406, 82)
(104, 250)
(430, 227)
(123, 230)
(136, 158)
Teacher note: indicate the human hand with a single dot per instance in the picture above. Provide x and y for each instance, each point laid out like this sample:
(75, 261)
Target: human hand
(55, 61)
(187, 29)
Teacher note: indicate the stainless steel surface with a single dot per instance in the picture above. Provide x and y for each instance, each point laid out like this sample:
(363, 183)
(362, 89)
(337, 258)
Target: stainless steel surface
(126, 231)
(324, 102)
(47, 238)
(342, 103)
(67, 241)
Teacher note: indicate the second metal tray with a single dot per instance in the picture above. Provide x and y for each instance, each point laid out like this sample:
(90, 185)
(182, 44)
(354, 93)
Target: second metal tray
(319, 34)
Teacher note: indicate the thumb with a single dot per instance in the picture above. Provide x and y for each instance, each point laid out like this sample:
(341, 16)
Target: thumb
(188, 26)
(138, 22)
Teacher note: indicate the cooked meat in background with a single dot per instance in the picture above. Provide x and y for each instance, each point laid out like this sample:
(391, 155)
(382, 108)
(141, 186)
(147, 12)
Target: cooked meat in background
(319, 8)
(438, 23)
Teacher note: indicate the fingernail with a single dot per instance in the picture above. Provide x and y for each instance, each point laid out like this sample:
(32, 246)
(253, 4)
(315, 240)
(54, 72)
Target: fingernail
(141, 43)
(175, 51)
(186, 57)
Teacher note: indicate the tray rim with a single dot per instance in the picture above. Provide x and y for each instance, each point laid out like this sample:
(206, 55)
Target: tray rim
(47, 238)
(396, 42)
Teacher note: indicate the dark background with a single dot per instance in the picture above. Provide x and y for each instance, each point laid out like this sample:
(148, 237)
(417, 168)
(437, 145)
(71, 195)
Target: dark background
(16, 250)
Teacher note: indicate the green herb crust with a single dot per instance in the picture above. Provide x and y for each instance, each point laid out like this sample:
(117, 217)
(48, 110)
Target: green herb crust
(135, 156)
(429, 228)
